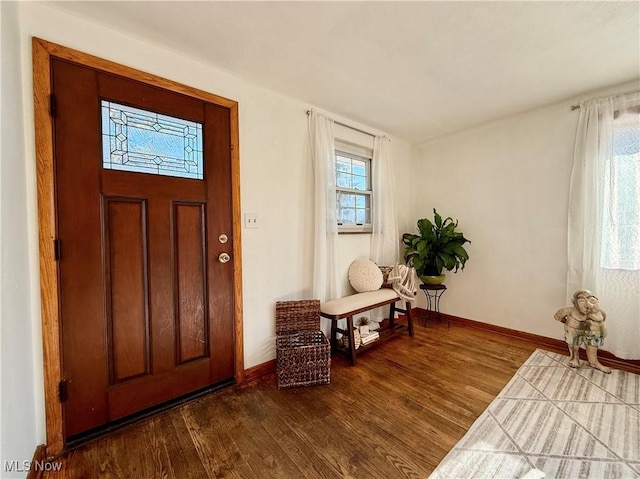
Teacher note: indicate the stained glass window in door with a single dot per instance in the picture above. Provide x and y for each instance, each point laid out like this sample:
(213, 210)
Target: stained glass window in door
(143, 141)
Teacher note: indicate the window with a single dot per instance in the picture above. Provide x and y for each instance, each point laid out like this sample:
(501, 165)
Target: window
(142, 141)
(621, 213)
(353, 189)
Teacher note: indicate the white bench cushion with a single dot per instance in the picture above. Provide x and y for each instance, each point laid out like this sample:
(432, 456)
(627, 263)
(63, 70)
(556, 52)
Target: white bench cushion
(341, 306)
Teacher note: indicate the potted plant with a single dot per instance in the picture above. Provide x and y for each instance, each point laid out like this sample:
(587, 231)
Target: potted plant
(363, 325)
(438, 246)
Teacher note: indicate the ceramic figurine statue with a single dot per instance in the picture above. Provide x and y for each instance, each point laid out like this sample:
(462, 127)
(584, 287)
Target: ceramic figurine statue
(584, 325)
(595, 333)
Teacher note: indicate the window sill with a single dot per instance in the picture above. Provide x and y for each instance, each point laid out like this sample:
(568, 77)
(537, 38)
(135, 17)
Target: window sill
(354, 232)
(355, 229)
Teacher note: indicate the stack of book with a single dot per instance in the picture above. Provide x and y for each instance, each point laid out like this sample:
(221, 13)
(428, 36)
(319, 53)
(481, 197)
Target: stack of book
(369, 338)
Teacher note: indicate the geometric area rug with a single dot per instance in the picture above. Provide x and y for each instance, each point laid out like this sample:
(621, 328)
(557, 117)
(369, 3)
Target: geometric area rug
(554, 421)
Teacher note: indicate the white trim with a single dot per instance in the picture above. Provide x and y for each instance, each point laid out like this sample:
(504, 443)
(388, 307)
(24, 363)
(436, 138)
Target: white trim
(354, 149)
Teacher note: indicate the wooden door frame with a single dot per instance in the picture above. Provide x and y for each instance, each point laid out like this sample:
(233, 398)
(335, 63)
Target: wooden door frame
(43, 53)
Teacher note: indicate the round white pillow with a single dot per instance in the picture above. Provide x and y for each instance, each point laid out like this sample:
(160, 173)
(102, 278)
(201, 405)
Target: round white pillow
(364, 275)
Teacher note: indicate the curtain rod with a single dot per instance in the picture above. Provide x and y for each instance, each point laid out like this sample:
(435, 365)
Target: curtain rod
(348, 126)
(577, 107)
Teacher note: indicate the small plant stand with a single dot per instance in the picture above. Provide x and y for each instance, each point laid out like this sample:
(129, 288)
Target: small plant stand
(433, 292)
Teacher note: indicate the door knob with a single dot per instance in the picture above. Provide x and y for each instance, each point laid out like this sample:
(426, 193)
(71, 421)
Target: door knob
(224, 258)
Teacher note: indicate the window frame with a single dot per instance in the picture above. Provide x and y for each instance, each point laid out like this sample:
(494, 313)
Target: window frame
(360, 153)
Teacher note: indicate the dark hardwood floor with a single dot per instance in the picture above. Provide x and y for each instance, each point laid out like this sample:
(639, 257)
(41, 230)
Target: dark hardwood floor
(396, 414)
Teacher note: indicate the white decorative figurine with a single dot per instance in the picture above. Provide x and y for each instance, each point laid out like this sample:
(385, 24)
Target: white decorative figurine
(584, 325)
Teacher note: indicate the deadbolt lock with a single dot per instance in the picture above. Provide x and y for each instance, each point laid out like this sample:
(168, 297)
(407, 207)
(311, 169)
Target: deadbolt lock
(224, 258)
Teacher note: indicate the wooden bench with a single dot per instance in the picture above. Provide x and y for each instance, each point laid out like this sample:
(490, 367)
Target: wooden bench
(348, 306)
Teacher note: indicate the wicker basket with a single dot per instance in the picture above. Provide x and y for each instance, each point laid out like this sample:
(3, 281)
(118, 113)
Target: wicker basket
(303, 359)
(302, 350)
(295, 316)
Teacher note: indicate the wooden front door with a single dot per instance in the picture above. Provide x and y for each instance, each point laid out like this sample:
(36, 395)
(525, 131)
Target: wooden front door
(144, 214)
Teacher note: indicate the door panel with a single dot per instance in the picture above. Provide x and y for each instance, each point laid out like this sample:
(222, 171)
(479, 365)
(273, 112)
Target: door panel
(126, 287)
(192, 339)
(146, 307)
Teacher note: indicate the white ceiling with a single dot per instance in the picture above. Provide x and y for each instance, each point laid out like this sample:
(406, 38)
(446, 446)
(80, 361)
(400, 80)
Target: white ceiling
(413, 69)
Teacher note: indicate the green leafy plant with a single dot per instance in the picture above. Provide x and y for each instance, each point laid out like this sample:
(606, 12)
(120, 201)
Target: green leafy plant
(437, 247)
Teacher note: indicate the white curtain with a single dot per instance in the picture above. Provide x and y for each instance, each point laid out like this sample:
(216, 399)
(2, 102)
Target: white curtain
(385, 242)
(325, 260)
(384, 238)
(604, 214)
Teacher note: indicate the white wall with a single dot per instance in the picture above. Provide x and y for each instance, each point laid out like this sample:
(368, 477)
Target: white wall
(508, 184)
(276, 184)
(20, 430)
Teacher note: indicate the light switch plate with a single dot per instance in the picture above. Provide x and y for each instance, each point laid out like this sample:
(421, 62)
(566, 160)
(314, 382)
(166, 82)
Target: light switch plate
(251, 220)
